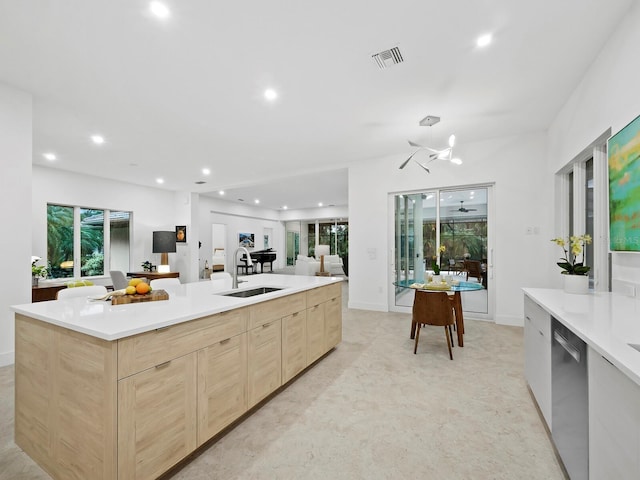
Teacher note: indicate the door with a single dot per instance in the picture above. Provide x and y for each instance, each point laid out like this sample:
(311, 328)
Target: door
(440, 230)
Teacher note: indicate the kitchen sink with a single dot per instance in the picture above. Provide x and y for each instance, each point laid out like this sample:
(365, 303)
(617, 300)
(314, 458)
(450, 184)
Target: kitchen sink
(252, 292)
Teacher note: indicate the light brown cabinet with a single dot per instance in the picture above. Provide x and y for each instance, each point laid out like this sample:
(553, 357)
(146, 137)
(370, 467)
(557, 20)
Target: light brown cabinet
(222, 385)
(265, 360)
(156, 418)
(151, 399)
(294, 345)
(315, 333)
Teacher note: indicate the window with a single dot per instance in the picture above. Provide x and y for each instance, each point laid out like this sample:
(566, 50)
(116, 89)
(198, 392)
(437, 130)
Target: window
(583, 193)
(334, 233)
(81, 241)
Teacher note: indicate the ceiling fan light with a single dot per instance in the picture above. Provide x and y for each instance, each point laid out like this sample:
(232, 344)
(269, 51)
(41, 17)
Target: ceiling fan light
(444, 154)
(456, 161)
(452, 140)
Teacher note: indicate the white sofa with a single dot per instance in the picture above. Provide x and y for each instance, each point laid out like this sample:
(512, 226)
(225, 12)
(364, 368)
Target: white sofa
(333, 265)
(306, 265)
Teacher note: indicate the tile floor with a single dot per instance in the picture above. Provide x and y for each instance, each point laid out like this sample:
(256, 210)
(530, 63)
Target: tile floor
(372, 409)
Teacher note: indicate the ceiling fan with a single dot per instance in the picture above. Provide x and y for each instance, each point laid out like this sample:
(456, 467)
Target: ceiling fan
(463, 209)
(435, 154)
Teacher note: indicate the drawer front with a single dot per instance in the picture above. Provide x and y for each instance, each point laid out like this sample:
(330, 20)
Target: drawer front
(273, 309)
(537, 316)
(149, 349)
(323, 294)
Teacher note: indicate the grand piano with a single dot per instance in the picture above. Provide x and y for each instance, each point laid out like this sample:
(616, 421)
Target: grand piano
(261, 257)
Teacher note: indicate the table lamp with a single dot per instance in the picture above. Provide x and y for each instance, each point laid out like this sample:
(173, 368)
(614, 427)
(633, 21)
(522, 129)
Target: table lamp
(164, 243)
(321, 251)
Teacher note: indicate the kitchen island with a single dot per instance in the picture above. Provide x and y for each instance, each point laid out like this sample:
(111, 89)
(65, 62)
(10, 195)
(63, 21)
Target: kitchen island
(128, 391)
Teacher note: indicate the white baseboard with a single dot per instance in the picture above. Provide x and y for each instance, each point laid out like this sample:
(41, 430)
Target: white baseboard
(7, 358)
(368, 306)
(511, 320)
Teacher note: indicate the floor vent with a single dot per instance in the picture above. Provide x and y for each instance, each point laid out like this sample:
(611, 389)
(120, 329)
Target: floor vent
(388, 58)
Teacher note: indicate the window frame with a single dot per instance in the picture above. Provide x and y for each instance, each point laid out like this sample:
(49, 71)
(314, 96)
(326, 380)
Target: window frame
(106, 240)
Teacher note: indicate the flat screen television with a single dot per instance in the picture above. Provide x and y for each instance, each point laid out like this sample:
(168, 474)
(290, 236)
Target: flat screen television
(624, 188)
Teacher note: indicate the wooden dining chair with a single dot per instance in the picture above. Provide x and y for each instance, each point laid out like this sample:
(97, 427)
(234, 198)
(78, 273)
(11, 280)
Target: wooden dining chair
(433, 308)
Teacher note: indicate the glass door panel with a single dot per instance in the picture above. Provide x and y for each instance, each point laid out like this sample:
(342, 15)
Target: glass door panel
(463, 232)
(455, 219)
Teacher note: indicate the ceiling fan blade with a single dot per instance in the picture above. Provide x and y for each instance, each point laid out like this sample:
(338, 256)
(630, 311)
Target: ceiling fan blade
(414, 144)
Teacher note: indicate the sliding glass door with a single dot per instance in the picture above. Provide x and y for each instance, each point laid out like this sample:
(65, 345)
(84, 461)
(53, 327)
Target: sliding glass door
(448, 228)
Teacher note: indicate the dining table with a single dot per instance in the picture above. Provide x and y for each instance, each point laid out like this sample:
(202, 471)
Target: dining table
(454, 289)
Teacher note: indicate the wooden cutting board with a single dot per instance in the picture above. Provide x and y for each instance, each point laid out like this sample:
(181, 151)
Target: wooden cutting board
(149, 297)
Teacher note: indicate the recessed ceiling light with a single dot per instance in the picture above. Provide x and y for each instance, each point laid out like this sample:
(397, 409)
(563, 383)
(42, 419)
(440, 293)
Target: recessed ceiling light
(457, 161)
(50, 156)
(159, 9)
(284, 207)
(206, 171)
(319, 204)
(160, 180)
(97, 139)
(484, 40)
(221, 192)
(256, 201)
(270, 94)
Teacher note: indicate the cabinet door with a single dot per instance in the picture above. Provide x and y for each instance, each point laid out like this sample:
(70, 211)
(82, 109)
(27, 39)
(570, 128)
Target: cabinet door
(156, 418)
(265, 360)
(222, 385)
(294, 345)
(333, 323)
(614, 421)
(537, 355)
(315, 333)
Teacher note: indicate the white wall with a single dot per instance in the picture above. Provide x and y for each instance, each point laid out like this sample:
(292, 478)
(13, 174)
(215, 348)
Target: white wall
(240, 218)
(522, 192)
(606, 97)
(15, 198)
(153, 209)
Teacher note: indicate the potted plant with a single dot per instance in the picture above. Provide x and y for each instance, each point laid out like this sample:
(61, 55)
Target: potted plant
(37, 271)
(576, 273)
(435, 265)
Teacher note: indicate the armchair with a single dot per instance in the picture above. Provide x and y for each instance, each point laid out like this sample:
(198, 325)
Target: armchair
(307, 265)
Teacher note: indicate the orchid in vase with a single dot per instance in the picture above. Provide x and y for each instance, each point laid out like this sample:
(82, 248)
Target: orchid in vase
(573, 248)
(435, 266)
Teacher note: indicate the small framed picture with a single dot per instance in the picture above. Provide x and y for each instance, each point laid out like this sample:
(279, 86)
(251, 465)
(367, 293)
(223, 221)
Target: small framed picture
(246, 240)
(181, 234)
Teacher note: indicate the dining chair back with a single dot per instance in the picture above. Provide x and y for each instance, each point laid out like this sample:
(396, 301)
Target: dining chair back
(473, 268)
(118, 279)
(221, 281)
(433, 308)
(81, 291)
(165, 283)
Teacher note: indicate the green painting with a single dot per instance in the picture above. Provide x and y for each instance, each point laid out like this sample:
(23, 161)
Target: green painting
(624, 188)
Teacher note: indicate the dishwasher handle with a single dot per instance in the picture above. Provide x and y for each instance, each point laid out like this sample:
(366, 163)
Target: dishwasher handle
(565, 344)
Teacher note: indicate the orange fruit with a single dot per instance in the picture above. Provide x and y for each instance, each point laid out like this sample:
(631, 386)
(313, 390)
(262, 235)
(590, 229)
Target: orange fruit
(142, 288)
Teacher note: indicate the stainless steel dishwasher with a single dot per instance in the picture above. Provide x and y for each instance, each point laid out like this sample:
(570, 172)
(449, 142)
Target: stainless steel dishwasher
(570, 400)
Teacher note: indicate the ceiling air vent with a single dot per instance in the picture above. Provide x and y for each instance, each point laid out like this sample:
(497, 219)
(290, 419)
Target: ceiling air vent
(388, 58)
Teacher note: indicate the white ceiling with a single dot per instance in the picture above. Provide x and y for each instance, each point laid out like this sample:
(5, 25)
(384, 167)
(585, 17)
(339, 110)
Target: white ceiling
(171, 97)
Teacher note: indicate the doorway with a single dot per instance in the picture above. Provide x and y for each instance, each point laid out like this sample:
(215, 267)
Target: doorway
(448, 228)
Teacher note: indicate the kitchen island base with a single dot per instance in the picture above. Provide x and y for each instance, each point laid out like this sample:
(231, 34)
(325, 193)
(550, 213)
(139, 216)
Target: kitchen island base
(135, 407)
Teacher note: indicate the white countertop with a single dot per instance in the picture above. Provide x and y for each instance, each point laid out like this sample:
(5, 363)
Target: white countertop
(607, 322)
(186, 302)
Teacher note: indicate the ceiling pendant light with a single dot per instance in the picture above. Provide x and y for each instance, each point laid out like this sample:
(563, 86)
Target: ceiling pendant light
(434, 154)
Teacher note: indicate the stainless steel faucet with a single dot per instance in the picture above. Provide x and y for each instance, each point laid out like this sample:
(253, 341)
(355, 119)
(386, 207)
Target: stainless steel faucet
(235, 265)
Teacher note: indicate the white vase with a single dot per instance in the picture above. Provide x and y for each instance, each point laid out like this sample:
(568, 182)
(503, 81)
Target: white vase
(576, 284)
(436, 279)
